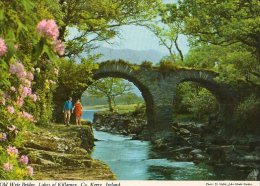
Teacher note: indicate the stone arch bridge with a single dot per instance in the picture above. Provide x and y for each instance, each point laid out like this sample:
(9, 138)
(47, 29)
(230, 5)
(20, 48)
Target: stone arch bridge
(158, 87)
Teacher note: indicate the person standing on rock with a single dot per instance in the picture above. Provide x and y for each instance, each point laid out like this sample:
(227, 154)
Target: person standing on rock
(67, 109)
(78, 112)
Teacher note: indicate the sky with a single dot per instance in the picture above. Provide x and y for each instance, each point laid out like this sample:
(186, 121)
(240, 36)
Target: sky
(140, 38)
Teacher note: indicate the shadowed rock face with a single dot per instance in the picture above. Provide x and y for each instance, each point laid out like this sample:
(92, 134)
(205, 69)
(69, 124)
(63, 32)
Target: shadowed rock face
(158, 87)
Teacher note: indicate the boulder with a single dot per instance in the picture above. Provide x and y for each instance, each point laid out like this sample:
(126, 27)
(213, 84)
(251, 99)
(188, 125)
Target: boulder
(184, 131)
(199, 157)
(196, 151)
(182, 150)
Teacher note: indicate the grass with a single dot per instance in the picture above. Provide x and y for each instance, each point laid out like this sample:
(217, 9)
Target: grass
(95, 107)
(118, 108)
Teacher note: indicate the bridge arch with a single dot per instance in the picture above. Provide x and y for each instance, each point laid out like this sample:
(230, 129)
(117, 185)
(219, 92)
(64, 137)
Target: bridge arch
(125, 71)
(206, 79)
(158, 88)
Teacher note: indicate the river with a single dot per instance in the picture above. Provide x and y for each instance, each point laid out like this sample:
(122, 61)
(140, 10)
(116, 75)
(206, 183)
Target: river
(131, 159)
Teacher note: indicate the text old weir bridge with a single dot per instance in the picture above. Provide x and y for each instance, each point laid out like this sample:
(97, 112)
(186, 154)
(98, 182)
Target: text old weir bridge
(158, 87)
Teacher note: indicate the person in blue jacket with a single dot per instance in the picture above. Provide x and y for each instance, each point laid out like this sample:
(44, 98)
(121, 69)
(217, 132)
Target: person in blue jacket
(67, 110)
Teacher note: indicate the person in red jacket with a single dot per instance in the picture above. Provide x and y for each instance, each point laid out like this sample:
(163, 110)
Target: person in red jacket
(78, 112)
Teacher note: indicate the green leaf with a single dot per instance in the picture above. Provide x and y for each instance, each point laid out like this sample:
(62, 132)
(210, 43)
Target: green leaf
(38, 49)
(50, 54)
(2, 11)
(10, 52)
(27, 4)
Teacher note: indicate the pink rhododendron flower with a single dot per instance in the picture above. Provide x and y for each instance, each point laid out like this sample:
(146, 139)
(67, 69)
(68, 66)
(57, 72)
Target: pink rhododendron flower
(30, 170)
(27, 116)
(48, 28)
(18, 69)
(25, 91)
(33, 97)
(12, 69)
(24, 160)
(21, 74)
(30, 76)
(2, 136)
(10, 109)
(8, 166)
(12, 128)
(59, 47)
(20, 101)
(12, 151)
(20, 66)
(3, 47)
(29, 91)
(27, 83)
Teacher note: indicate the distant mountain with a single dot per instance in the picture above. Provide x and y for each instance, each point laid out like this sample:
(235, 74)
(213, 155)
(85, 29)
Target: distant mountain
(133, 56)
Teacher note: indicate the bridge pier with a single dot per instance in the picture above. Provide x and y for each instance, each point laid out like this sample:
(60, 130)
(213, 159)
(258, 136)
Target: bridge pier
(162, 108)
(163, 117)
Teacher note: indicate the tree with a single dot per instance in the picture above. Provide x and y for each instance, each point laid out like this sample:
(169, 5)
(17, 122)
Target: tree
(224, 23)
(167, 28)
(129, 98)
(193, 99)
(99, 20)
(110, 88)
(234, 63)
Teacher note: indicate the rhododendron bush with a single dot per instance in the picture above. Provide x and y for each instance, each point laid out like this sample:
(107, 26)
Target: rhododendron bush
(29, 67)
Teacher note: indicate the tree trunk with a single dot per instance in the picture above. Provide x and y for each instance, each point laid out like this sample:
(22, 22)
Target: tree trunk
(177, 47)
(109, 99)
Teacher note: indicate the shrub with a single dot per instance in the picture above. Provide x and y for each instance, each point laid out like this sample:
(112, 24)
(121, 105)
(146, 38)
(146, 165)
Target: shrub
(193, 99)
(167, 65)
(14, 166)
(28, 57)
(247, 115)
(147, 64)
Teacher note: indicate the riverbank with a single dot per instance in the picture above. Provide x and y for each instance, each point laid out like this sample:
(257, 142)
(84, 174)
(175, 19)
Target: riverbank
(232, 157)
(57, 152)
(130, 123)
(118, 108)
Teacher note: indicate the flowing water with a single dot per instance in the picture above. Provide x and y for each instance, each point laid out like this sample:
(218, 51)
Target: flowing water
(130, 159)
